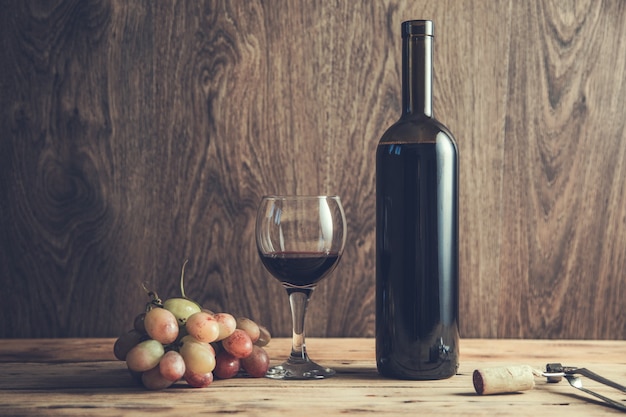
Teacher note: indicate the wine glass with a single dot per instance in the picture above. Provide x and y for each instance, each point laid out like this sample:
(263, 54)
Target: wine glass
(300, 240)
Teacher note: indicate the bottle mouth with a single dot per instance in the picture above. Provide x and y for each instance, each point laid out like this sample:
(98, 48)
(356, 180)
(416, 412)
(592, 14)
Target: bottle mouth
(418, 28)
(300, 197)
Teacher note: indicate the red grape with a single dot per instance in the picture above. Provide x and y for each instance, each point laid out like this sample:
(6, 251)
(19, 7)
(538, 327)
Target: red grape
(227, 324)
(138, 323)
(172, 366)
(238, 344)
(198, 380)
(203, 327)
(161, 325)
(257, 363)
(226, 365)
(152, 379)
(125, 343)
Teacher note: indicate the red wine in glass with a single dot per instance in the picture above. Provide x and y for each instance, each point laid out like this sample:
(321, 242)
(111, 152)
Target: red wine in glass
(299, 271)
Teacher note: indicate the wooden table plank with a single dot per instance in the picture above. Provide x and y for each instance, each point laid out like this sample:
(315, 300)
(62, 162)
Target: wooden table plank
(79, 377)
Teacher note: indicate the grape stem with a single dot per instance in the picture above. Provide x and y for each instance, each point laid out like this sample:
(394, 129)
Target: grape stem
(154, 297)
(182, 279)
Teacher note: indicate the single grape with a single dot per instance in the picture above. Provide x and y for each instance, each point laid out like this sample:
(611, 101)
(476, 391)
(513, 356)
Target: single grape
(190, 339)
(199, 356)
(227, 324)
(238, 344)
(182, 308)
(153, 380)
(161, 325)
(250, 327)
(172, 366)
(264, 336)
(226, 365)
(203, 327)
(198, 380)
(257, 363)
(146, 355)
(125, 343)
(138, 323)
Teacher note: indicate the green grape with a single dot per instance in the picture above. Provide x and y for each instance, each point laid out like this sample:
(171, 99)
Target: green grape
(257, 363)
(199, 356)
(172, 366)
(227, 324)
(161, 325)
(125, 343)
(238, 344)
(264, 336)
(146, 355)
(250, 327)
(154, 380)
(182, 308)
(203, 327)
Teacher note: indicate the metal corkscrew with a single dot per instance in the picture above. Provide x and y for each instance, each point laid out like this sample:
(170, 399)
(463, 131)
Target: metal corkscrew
(556, 371)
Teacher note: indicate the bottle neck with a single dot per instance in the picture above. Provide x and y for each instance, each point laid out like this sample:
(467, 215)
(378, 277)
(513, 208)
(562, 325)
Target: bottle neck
(417, 70)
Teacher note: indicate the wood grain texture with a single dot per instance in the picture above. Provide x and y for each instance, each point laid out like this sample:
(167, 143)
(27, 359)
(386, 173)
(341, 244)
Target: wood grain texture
(135, 135)
(563, 253)
(76, 377)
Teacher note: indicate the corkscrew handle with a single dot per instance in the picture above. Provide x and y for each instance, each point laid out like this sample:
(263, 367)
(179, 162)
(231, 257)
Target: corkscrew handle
(556, 370)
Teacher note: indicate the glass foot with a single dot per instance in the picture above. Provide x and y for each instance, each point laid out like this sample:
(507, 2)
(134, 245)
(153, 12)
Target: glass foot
(306, 370)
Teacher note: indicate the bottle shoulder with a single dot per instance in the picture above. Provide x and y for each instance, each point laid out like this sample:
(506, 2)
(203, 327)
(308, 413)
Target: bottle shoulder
(417, 130)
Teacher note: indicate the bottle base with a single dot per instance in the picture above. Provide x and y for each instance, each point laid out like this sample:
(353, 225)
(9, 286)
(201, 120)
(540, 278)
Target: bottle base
(398, 372)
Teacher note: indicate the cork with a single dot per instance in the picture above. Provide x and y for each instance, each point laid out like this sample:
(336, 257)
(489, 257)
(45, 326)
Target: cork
(503, 379)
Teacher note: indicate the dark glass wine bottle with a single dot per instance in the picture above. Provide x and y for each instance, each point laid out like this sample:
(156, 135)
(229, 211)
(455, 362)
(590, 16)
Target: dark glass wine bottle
(417, 241)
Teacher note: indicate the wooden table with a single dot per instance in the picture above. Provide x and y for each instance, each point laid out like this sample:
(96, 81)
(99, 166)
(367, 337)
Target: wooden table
(72, 377)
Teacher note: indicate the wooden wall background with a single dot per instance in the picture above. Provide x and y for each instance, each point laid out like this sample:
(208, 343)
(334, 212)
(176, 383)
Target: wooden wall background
(135, 134)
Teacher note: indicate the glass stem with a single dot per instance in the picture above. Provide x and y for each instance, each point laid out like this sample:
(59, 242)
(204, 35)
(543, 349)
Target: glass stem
(298, 302)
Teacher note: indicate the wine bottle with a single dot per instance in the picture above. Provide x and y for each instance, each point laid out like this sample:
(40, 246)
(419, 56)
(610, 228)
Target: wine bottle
(417, 243)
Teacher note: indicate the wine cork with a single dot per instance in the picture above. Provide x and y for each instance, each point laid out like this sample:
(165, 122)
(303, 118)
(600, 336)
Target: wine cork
(503, 379)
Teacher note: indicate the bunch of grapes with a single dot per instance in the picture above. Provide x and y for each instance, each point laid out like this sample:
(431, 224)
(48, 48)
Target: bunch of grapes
(178, 340)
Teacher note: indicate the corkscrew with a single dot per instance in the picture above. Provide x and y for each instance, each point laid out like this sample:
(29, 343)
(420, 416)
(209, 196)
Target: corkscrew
(508, 379)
